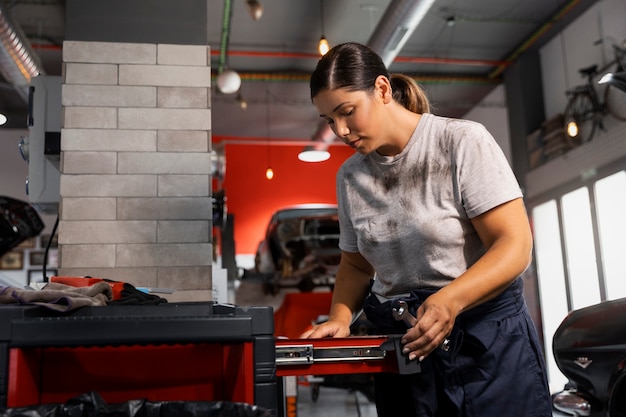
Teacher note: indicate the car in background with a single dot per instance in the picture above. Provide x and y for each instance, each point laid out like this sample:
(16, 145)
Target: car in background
(590, 349)
(300, 248)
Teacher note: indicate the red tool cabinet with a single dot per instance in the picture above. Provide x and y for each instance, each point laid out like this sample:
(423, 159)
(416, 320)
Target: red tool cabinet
(167, 352)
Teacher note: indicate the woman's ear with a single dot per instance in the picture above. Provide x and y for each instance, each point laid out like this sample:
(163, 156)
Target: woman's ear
(383, 89)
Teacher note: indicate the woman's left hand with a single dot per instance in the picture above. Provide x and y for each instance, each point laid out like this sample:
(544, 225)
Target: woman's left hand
(435, 320)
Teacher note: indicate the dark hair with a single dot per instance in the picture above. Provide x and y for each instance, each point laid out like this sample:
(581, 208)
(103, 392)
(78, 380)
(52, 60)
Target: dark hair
(355, 67)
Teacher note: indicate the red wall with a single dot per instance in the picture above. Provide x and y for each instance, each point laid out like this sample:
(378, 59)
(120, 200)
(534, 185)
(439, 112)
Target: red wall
(252, 198)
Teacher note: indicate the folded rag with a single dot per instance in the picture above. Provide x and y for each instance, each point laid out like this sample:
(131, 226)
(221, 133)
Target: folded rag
(59, 297)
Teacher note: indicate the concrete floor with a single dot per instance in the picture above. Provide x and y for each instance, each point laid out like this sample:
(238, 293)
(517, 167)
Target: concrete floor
(337, 402)
(333, 402)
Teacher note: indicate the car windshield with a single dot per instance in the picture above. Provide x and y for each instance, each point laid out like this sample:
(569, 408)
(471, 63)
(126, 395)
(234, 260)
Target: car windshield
(301, 243)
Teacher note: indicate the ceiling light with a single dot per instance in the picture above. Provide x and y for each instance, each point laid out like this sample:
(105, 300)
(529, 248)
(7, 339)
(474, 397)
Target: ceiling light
(572, 128)
(310, 154)
(242, 102)
(3, 119)
(323, 46)
(317, 150)
(269, 172)
(228, 82)
(255, 8)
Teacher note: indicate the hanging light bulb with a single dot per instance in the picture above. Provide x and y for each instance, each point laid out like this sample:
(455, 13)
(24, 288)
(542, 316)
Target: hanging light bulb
(323, 46)
(242, 102)
(269, 172)
(255, 8)
(572, 128)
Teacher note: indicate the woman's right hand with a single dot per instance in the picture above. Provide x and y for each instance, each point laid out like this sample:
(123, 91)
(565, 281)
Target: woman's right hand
(352, 284)
(330, 328)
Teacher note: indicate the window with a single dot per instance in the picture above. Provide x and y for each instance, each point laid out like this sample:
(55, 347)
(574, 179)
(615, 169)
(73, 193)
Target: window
(552, 289)
(611, 209)
(579, 239)
(580, 249)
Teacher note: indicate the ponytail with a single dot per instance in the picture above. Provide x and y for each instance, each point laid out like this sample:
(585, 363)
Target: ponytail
(408, 93)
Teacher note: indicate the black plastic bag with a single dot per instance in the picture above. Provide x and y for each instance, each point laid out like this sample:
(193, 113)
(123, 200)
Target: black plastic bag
(92, 405)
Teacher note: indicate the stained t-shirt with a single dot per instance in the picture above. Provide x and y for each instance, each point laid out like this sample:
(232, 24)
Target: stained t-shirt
(409, 214)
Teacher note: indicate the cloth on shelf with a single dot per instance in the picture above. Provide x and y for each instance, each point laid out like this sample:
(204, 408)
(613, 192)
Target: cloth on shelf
(131, 295)
(122, 292)
(59, 297)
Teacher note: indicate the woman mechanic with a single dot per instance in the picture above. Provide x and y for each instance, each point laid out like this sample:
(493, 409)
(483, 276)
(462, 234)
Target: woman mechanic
(430, 214)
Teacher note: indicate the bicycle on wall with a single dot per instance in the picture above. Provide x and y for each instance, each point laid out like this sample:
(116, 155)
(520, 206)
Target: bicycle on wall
(586, 108)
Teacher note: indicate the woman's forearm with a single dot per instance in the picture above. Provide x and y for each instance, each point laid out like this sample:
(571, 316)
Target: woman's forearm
(351, 286)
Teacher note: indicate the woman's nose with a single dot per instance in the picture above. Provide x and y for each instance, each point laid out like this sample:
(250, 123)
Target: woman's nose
(342, 130)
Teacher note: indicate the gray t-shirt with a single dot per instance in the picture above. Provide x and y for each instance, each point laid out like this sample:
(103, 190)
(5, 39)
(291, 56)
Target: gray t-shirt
(409, 215)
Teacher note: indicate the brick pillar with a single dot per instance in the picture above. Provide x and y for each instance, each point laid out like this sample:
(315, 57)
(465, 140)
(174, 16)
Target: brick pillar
(135, 165)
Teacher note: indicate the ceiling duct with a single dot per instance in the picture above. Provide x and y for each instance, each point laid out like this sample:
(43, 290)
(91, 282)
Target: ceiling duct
(394, 29)
(18, 62)
(396, 26)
